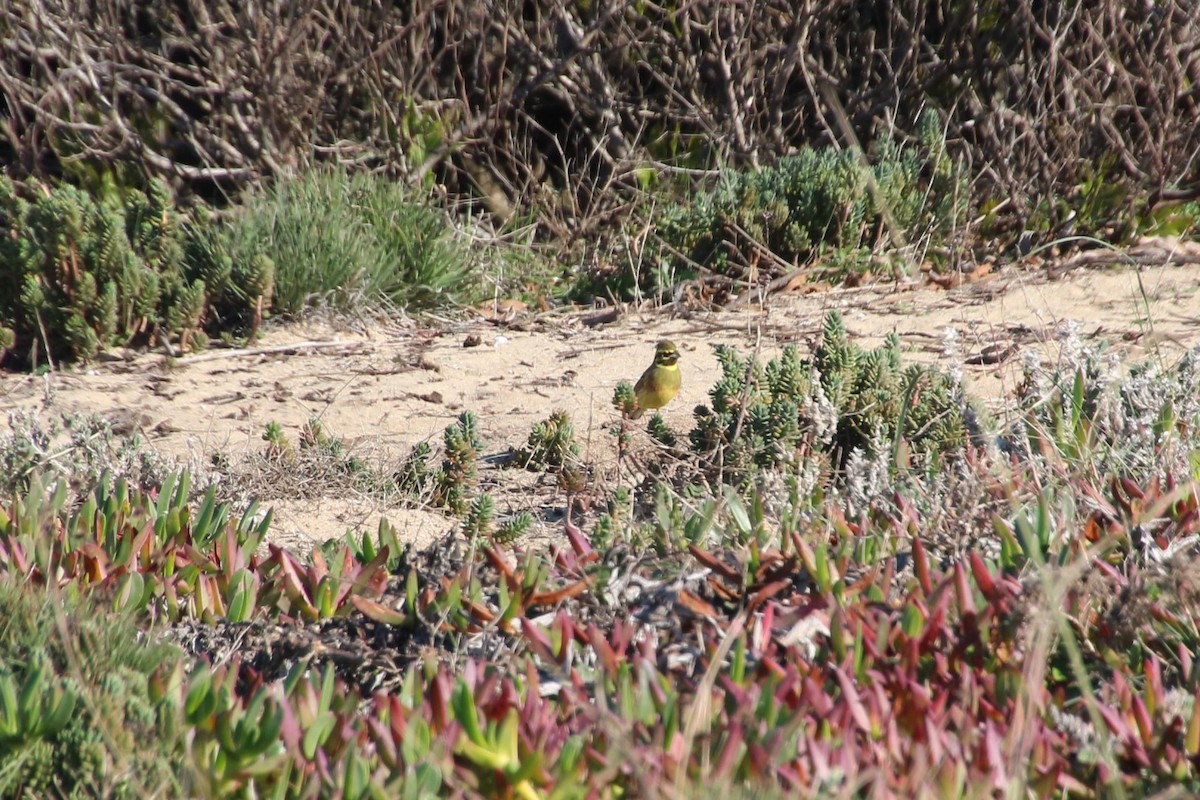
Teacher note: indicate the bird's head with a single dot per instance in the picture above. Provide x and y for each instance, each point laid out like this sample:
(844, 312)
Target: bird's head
(666, 354)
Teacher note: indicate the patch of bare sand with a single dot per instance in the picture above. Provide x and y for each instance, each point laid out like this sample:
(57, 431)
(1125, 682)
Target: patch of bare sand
(384, 388)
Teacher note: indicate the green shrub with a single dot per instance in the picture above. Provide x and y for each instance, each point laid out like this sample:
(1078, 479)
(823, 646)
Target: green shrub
(120, 267)
(449, 486)
(338, 238)
(1094, 413)
(845, 400)
(78, 713)
(551, 445)
(810, 203)
(460, 468)
(81, 450)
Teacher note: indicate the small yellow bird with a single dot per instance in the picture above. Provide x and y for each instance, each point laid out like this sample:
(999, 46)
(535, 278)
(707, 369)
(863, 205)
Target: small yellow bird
(660, 382)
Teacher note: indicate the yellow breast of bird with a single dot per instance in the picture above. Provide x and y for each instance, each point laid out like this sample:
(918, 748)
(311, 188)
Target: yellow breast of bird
(658, 386)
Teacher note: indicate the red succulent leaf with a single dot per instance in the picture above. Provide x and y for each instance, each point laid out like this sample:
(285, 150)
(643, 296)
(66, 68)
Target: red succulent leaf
(143, 543)
(780, 566)
(497, 560)
(741, 697)
(556, 596)
(384, 744)
(397, 716)
(889, 572)
(608, 657)
(917, 696)
(983, 578)
(962, 590)
(233, 556)
(731, 751)
(935, 738)
(290, 731)
(715, 564)
(597, 758)
(696, 605)
(815, 696)
(1092, 532)
(773, 667)
(1114, 722)
(538, 641)
(565, 560)
(1110, 572)
(1135, 491)
(621, 635)
(568, 632)
(763, 631)
(579, 543)
(319, 568)
(723, 590)
(935, 623)
(759, 761)
(293, 584)
(377, 611)
(1109, 510)
(850, 695)
(788, 692)
(369, 579)
(792, 776)
(1142, 718)
(767, 592)
(1163, 615)
(1154, 686)
(675, 750)
(479, 611)
(994, 755)
(439, 700)
(767, 559)
(12, 552)
(820, 756)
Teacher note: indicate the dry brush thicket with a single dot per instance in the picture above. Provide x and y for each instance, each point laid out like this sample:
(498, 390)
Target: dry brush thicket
(549, 107)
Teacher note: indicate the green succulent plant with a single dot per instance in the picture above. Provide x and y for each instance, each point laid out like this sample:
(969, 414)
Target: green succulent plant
(100, 270)
(845, 399)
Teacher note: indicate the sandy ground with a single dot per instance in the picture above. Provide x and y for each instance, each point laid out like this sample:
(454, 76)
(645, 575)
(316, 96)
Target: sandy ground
(384, 386)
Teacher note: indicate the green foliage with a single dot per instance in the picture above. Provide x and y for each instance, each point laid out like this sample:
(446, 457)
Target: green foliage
(1172, 220)
(1103, 203)
(624, 399)
(847, 399)
(78, 717)
(94, 271)
(279, 447)
(478, 670)
(413, 477)
(315, 439)
(1090, 412)
(316, 457)
(109, 538)
(514, 528)
(660, 432)
(366, 547)
(231, 742)
(811, 203)
(551, 444)
(449, 485)
(613, 521)
(459, 463)
(81, 449)
(479, 519)
(375, 240)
